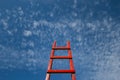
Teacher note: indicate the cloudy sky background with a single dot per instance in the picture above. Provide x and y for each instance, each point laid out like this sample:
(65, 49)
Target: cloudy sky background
(29, 27)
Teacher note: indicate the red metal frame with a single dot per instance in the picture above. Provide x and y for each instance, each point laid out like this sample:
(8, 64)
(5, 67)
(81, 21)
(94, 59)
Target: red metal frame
(71, 70)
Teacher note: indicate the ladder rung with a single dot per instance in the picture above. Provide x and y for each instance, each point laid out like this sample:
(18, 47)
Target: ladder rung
(61, 71)
(61, 57)
(61, 48)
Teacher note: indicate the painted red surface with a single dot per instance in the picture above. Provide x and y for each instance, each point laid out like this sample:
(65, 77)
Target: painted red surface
(52, 57)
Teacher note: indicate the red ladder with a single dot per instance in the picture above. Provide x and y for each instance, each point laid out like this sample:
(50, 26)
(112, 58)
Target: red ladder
(71, 70)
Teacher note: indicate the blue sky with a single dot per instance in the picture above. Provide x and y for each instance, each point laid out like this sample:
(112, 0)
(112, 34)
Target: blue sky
(29, 27)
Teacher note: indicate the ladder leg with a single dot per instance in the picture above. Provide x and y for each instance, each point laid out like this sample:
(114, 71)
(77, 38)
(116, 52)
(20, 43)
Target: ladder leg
(47, 76)
(50, 64)
(73, 76)
(71, 64)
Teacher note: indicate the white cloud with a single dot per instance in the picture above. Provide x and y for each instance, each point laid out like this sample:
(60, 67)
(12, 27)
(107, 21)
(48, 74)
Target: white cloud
(27, 33)
(75, 4)
(35, 24)
(20, 11)
(109, 69)
(9, 32)
(91, 25)
(51, 14)
(30, 52)
(31, 44)
(4, 23)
